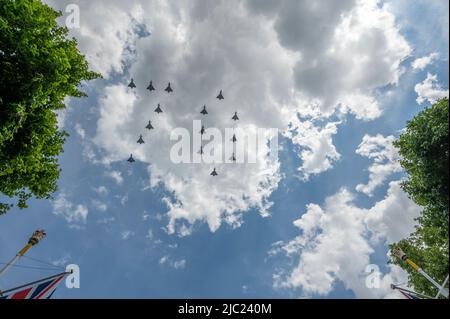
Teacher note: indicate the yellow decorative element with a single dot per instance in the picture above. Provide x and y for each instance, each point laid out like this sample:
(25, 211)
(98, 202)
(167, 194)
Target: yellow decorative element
(24, 249)
(412, 264)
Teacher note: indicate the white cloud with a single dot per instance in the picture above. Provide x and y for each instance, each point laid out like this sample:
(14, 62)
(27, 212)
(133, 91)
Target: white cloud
(386, 160)
(176, 264)
(272, 62)
(179, 264)
(163, 259)
(124, 199)
(344, 63)
(126, 234)
(62, 261)
(145, 216)
(340, 232)
(80, 131)
(423, 62)
(99, 205)
(62, 113)
(116, 176)
(430, 90)
(101, 190)
(393, 217)
(107, 32)
(73, 213)
(317, 150)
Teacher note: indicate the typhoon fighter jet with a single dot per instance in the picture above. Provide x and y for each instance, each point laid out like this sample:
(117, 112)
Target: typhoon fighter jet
(149, 126)
(214, 173)
(235, 117)
(168, 88)
(201, 150)
(204, 112)
(220, 96)
(158, 109)
(132, 85)
(140, 140)
(202, 131)
(131, 159)
(150, 87)
(233, 158)
(234, 139)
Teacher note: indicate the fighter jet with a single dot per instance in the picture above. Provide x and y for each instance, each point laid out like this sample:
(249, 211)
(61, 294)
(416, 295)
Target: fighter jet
(204, 112)
(149, 126)
(132, 85)
(150, 87)
(158, 109)
(201, 150)
(214, 173)
(220, 96)
(140, 140)
(235, 117)
(131, 159)
(202, 131)
(234, 139)
(168, 88)
(233, 158)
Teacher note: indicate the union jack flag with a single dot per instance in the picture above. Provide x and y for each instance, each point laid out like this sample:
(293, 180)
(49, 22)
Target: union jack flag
(41, 289)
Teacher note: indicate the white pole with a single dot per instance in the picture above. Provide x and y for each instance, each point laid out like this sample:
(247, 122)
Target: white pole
(9, 264)
(442, 289)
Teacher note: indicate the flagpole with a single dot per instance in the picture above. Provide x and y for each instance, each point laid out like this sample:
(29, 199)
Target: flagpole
(37, 236)
(442, 288)
(400, 254)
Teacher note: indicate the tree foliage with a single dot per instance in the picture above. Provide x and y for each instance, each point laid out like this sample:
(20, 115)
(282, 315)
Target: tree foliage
(39, 67)
(424, 149)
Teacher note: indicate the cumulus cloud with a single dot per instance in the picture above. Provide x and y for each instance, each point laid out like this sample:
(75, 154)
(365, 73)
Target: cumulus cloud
(80, 131)
(99, 205)
(126, 234)
(116, 176)
(62, 261)
(101, 190)
(393, 217)
(423, 62)
(339, 232)
(273, 60)
(430, 90)
(347, 50)
(176, 264)
(107, 32)
(386, 160)
(73, 213)
(317, 149)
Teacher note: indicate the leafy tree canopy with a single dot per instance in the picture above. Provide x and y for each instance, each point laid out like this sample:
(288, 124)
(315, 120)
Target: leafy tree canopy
(39, 67)
(424, 150)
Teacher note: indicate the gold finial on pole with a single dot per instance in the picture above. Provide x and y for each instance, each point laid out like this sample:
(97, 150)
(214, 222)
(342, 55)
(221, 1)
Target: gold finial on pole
(37, 236)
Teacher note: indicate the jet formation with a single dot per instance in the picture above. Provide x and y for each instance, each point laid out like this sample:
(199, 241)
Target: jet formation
(158, 110)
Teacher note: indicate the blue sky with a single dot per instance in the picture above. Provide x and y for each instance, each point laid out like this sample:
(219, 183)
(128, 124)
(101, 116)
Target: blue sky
(123, 247)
